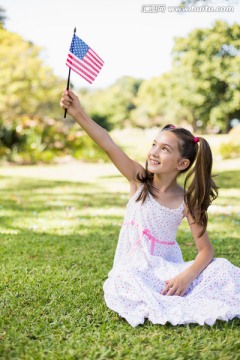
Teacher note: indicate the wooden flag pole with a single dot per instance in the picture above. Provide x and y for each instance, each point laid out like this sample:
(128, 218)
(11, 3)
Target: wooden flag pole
(68, 80)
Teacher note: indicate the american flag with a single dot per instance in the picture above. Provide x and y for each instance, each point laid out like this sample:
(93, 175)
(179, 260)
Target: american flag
(83, 60)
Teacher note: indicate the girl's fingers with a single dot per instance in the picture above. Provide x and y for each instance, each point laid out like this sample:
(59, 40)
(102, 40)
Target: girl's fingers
(171, 291)
(66, 95)
(65, 104)
(167, 288)
(66, 101)
(67, 98)
(172, 287)
(177, 292)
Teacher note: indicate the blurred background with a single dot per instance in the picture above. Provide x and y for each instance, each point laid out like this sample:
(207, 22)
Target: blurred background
(61, 201)
(179, 65)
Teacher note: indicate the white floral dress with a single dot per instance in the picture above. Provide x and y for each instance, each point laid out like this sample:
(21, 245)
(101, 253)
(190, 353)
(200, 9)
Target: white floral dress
(147, 255)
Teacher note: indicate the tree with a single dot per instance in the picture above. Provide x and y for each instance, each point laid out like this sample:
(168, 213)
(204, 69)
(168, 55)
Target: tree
(209, 61)
(112, 107)
(203, 86)
(29, 98)
(158, 101)
(28, 87)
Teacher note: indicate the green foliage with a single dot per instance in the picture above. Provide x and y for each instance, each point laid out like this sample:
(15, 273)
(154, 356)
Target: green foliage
(58, 239)
(202, 88)
(209, 58)
(80, 146)
(28, 87)
(29, 105)
(231, 148)
(157, 102)
(114, 104)
(34, 140)
(30, 95)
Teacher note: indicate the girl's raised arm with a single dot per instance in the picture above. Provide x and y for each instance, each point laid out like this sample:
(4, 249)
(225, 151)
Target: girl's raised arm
(100, 136)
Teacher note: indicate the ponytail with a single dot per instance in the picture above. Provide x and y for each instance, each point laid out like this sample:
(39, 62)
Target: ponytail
(199, 187)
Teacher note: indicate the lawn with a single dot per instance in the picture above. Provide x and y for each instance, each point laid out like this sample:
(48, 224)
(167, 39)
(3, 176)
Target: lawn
(59, 229)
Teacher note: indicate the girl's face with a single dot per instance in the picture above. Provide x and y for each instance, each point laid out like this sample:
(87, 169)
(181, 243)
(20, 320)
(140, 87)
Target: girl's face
(164, 155)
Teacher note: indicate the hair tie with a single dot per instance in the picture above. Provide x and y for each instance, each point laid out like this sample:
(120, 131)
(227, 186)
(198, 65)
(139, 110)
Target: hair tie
(172, 127)
(195, 139)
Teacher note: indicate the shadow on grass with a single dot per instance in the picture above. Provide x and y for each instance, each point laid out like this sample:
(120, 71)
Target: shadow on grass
(224, 179)
(31, 195)
(30, 184)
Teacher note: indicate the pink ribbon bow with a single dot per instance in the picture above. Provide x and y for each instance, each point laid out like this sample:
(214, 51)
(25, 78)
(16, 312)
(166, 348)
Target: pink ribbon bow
(155, 240)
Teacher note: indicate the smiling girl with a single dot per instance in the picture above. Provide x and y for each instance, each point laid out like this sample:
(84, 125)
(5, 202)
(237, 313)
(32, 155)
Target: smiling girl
(149, 278)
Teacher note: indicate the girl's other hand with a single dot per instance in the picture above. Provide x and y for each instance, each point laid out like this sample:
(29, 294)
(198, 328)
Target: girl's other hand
(71, 102)
(176, 286)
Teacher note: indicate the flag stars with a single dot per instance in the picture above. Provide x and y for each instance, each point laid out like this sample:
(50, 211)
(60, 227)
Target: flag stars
(79, 47)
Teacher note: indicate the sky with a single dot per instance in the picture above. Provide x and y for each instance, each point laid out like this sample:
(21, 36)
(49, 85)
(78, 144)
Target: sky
(130, 41)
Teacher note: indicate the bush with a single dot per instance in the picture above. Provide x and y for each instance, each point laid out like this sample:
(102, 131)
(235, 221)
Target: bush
(30, 141)
(231, 148)
(81, 146)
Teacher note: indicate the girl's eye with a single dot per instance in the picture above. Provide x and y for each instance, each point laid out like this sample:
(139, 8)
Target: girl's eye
(165, 149)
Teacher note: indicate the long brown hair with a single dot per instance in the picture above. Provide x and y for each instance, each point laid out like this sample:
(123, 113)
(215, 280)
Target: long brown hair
(199, 187)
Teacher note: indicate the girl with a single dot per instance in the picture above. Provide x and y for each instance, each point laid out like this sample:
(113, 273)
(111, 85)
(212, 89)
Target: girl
(149, 278)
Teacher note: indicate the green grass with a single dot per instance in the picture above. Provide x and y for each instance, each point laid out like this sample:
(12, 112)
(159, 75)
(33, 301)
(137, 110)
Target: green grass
(59, 229)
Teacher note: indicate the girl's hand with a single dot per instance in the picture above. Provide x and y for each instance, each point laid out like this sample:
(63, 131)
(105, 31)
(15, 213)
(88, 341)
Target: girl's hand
(71, 102)
(177, 286)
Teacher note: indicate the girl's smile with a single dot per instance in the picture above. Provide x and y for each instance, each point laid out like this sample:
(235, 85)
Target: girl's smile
(154, 162)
